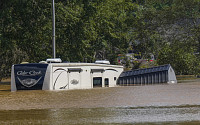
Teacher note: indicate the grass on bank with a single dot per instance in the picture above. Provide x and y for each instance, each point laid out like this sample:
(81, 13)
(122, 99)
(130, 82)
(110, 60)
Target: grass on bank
(186, 77)
(5, 81)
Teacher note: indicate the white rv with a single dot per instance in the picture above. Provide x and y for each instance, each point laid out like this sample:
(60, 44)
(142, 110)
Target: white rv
(64, 76)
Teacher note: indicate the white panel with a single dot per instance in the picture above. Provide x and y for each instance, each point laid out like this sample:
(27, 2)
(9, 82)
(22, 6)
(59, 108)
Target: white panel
(112, 75)
(48, 79)
(60, 79)
(74, 80)
(86, 78)
(13, 84)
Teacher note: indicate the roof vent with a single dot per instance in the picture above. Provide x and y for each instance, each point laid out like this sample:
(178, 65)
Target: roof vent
(102, 62)
(42, 62)
(54, 60)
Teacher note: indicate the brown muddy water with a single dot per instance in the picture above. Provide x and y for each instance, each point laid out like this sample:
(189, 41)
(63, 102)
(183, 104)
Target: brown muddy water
(153, 104)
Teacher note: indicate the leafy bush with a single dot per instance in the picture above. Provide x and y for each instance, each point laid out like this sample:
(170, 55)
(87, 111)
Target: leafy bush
(184, 62)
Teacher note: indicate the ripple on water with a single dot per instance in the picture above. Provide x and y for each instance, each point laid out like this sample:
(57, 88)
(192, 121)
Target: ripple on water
(121, 115)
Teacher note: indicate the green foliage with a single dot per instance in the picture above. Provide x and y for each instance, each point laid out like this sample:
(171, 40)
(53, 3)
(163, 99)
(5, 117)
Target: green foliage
(182, 59)
(26, 25)
(8, 58)
(87, 30)
(169, 29)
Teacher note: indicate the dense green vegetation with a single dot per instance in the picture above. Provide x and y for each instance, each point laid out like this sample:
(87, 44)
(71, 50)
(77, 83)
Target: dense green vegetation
(87, 30)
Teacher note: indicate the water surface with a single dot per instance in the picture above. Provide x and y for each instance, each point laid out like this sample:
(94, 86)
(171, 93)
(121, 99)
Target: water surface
(153, 104)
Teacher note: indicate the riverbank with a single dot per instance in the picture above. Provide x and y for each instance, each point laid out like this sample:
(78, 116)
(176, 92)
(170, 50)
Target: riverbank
(187, 79)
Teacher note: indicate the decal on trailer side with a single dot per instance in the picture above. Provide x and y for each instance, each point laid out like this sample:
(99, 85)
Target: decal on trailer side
(29, 76)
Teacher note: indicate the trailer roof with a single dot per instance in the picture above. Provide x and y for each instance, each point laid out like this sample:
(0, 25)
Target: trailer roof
(145, 70)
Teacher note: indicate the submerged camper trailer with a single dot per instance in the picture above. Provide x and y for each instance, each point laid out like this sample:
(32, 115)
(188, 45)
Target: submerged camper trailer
(54, 75)
(64, 76)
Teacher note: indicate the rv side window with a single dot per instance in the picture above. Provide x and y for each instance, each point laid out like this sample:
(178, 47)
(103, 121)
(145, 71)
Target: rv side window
(97, 82)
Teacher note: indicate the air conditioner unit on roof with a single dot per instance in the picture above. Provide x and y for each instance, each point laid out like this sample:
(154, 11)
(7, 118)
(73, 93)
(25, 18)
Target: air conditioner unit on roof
(102, 62)
(54, 60)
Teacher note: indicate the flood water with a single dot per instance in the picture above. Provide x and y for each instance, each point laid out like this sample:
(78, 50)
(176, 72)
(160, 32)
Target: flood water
(152, 104)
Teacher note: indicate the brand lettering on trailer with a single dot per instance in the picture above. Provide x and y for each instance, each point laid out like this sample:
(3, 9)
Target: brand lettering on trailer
(30, 73)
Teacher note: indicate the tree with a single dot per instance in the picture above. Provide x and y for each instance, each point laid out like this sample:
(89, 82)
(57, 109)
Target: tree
(87, 30)
(168, 29)
(93, 29)
(182, 58)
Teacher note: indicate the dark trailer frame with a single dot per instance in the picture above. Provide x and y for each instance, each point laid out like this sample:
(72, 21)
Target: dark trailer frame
(154, 75)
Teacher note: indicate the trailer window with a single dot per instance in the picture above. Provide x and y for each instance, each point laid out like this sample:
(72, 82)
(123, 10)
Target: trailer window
(97, 82)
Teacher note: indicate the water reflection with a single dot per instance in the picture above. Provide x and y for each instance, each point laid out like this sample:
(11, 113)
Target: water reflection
(143, 115)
